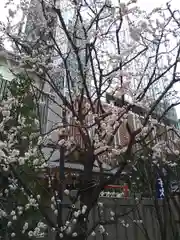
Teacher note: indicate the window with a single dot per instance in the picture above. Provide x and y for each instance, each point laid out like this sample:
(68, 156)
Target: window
(3, 87)
(42, 111)
(5, 77)
(58, 80)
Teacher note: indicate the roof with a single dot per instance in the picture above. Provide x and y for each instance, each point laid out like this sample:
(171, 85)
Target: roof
(79, 167)
(140, 110)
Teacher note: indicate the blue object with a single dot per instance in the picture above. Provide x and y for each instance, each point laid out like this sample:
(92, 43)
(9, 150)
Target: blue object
(160, 189)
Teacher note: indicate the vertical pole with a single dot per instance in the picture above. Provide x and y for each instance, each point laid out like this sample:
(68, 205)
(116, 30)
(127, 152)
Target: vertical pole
(125, 190)
(61, 168)
(61, 178)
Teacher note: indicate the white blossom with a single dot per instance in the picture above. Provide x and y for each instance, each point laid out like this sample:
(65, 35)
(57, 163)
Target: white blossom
(100, 204)
(100, 149)
(101, 229)
(66, 191)
(84, 208)
(74, 234)
(13, 213)
(52, 207)
(56, 212)
(68, 230)
(9, 223)
(15, 152)
(14, 218)
(6, 191)
(116, 56)
(61, 142)
(6, 113)
(61, 235)
(25, 227)
(20, 213)
(13, 234)
(41, 225)
(74, 221)
(2, 213)
(30, 234)
(2, 145)
(135, 34)
(116, 151)
(21, 161)
(123, 73)
(93, 234)
(53, 199)
(112, 213)
(38, 197)
(2, 154)
(76, 214)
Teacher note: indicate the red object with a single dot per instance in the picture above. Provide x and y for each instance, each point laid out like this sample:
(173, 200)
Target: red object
(125, 188)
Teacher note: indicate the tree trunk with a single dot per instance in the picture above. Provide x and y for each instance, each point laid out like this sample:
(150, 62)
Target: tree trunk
(88, 195)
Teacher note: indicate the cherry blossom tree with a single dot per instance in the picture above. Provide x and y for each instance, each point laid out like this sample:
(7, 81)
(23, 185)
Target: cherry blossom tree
(89, 78)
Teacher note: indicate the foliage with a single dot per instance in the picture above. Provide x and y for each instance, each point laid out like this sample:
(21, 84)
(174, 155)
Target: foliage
(20, 157)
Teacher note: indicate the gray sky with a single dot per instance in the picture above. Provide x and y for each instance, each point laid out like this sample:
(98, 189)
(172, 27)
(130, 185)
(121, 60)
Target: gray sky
(147, 5)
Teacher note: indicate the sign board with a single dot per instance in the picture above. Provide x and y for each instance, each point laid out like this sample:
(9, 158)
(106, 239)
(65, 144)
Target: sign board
(124, 188)
(160, 189)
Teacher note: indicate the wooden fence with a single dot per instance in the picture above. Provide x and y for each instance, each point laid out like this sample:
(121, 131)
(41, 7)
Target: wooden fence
(140, 220)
